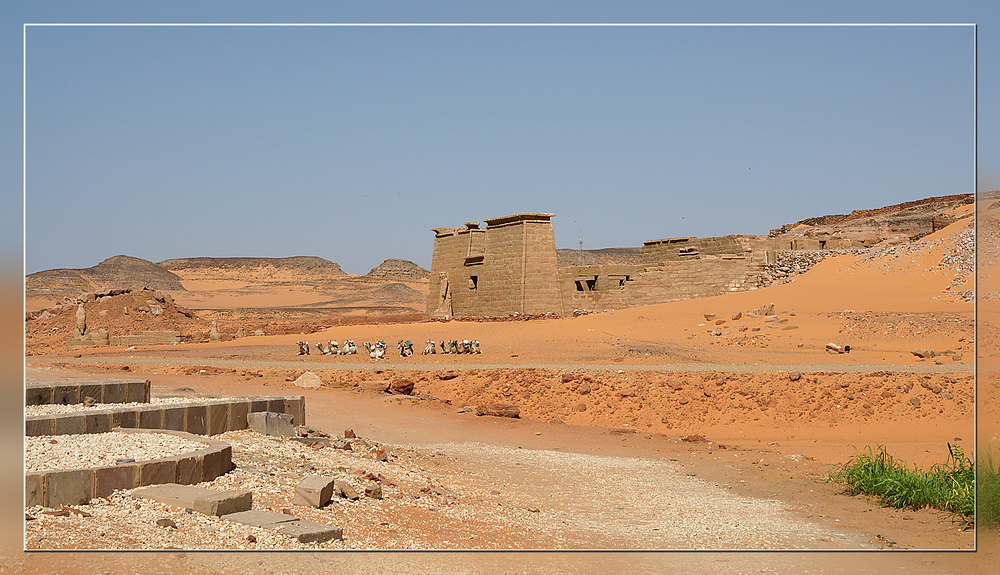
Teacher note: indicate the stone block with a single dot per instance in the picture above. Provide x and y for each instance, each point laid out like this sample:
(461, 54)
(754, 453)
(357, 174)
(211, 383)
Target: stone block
(75, 487)
(258, 518)
(127, 418)
(173, 418)
(34, 489)
(137, 391)
(238, 412)
(226, 455)
(310, 531)
(259, 404)
(271, 423)
(217, 418)
(296, 406)
(151, 418)
(70, 424)
(276, 404)
(115, 392)
(314, 491)
(108, 479)
(213, 464)
(190, 469)
(200, 499)
(98, 421)
(66, 394)
(157, 472)
(95, 390)
(197, 419)
(224, 503)
(39, 425)
(38, 395)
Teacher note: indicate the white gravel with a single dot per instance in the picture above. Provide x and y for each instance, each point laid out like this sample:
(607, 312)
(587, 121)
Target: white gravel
(52, 452)
(53, 409)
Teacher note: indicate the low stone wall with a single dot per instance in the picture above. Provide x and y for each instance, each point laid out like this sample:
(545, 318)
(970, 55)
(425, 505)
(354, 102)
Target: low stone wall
(134, 391)
(203, 417)
(78, 486)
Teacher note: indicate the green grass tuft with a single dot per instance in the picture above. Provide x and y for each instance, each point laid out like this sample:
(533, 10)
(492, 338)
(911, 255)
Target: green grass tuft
(949, 486)
(988, 488)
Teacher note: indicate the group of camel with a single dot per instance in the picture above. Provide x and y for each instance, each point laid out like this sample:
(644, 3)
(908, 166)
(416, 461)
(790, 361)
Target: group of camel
(377, 350)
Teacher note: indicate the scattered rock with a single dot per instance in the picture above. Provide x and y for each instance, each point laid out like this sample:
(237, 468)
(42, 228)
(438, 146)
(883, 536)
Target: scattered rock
(794, 376)
(402, 386)
(349, 434)
(344, 489)
(374, 492)
(694, 438)
(446, 375)
(737, 315)
(166, 522)
(499, 410)
(915, 401)
(584, 389)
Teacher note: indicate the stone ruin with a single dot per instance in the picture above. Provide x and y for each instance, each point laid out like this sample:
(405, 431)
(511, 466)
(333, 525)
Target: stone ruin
(510, 267)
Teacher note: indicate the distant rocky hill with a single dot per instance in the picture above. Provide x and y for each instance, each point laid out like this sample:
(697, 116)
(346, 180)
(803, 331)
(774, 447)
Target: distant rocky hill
(118, 272)
(395, 269)
(914, 219)
(225, 268)
(599, 257)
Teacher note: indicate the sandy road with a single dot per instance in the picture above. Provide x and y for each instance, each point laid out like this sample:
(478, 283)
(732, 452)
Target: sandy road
(314, 364)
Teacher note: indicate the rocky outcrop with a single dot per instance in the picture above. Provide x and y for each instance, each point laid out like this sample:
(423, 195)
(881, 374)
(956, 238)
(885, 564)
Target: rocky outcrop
(115, 273)
(395, 269)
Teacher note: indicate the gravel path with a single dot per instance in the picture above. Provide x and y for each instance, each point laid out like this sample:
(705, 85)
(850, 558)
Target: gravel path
(49, 453)
(57, 408)
(453, 496)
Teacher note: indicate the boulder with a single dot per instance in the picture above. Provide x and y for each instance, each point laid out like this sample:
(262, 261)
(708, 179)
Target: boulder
(309, 380)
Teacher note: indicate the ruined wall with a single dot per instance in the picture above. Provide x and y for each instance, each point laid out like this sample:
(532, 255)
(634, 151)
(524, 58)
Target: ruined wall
(682, 249)
(669, 281)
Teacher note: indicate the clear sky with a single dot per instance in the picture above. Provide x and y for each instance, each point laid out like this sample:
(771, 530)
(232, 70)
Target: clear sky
(350, 143)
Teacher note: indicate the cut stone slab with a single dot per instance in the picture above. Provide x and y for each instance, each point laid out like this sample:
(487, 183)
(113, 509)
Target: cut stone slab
(258, 518)
(271, 423)
(200, 499)
(310, 531)
(314, 491)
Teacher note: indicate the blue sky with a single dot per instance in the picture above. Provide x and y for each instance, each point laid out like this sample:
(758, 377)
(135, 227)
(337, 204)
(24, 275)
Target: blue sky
(350, 143)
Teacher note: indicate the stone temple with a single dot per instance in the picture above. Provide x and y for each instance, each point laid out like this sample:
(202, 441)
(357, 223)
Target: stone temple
(510, 266)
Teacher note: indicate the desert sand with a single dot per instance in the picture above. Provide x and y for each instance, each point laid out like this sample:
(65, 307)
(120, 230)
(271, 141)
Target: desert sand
(635, 382)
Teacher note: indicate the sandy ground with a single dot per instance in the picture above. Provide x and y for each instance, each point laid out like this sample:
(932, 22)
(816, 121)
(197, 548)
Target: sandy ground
(654, 375)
